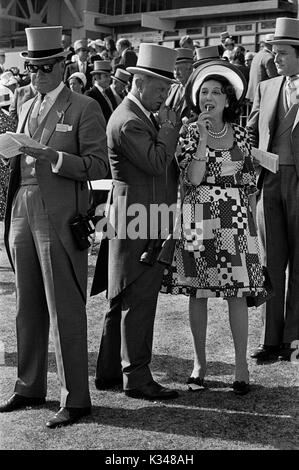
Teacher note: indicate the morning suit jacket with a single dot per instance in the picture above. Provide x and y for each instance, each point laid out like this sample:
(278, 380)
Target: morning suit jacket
(144, 172)
(262, 68)
(98, 96)
(112, 98)
(80, 115)
(262, 123)
(21, 95)
(176, 99)
(74, 67)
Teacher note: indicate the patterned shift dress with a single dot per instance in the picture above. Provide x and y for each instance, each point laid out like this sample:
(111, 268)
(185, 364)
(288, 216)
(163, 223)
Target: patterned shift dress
(217, 253)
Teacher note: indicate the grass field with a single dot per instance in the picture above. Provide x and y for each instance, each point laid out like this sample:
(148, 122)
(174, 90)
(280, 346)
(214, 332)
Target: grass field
(215, 419)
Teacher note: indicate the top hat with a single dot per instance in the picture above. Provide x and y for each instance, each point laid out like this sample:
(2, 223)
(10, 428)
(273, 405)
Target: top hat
(286, 32)
(101, 66)
(214, 67)
(155, 61)
(205, 54)
(224, 35)
(80, 43)
(184, 55)
(269, 37)
(43, 43)
(122, 76)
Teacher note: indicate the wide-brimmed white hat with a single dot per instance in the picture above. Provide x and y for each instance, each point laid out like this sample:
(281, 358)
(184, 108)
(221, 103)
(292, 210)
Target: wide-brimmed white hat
(101, 66)
(214, 67)
(155, 61)
(44, 43)
(81, 77)
(122, 76)
(286, 32)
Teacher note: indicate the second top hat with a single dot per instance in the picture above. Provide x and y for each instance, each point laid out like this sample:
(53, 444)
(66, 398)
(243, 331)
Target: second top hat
(156, 61)
(122, 76)
(101, 66)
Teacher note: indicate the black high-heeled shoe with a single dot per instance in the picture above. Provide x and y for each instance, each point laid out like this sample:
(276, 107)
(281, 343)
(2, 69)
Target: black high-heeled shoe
(195, 384)
(241, 388)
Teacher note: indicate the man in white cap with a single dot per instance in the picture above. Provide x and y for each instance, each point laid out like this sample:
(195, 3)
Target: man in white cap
(81, 63)
(117, 90)
(182, 71)
(101, 81)
(47, 192)
(262, 68)
(141, 154)
(274, 126)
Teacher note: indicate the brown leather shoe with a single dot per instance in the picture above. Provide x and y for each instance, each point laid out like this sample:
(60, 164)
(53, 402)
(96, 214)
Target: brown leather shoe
(66, 416)
(152, 391)
(16, 401)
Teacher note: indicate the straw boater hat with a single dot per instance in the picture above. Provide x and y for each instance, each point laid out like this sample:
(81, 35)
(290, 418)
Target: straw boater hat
(184, 55)
(101, 66)
(204, 54)
(44, 43)
(286, 32)
(155, 61)
(214, 67)
(122, 76)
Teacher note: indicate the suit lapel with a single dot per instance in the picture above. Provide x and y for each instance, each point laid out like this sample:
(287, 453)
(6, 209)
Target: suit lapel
(288, 121)
(26, 108)
(272, 102)
(53, 117)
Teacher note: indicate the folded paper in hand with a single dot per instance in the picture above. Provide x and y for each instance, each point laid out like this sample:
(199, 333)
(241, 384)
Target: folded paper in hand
(268, 160)
(11, 142)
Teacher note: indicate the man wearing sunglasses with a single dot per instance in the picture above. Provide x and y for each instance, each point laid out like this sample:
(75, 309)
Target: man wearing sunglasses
(81, 63)
(47, 189)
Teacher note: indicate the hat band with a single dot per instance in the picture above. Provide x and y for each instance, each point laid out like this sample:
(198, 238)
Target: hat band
(278, 38)
(158, 71)
(44, 53)
(117, 78)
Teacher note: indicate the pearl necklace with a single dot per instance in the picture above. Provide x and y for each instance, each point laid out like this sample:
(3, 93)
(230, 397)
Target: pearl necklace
(219, 135)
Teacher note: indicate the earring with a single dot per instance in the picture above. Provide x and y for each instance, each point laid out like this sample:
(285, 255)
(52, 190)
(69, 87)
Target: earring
(226, 106)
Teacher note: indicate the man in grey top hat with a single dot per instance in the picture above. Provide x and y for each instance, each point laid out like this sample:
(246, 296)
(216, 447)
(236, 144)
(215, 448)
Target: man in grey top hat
(274, 126)
(141, 154)
(81, 64)
(47, 190)
(101, 81)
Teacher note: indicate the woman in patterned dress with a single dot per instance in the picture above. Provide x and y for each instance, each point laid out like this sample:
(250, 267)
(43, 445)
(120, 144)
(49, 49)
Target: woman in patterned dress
(217, 254)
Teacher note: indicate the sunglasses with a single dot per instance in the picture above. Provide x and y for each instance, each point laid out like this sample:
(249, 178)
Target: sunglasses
(45, 68)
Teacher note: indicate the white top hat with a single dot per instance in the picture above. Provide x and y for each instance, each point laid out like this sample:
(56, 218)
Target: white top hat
(43, 43)
(122, 76)
(156, 61)
(286, 32)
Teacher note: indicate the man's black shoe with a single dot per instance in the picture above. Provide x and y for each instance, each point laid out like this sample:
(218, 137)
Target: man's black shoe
(265, 353)
(286, 352)
(16, 401)
(106, 384)
(152, 391)
(66, 416)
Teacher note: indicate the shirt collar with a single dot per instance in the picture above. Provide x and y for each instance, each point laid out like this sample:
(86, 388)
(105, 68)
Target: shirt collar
(139, 104)
(52, 95)
(99, 87)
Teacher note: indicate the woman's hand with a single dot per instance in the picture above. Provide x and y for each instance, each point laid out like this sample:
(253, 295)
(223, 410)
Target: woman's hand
(203, 123)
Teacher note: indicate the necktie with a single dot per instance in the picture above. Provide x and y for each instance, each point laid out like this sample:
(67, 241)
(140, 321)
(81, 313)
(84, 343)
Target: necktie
(156, 125)
(34, 117)
(291, 90)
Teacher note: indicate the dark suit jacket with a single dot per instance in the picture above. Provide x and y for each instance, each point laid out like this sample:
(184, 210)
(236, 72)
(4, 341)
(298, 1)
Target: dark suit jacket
(144, 172)
(175, 100)
(262, 68)
(111, 97)
(73, 67)
(127, 59)
(98, 96)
